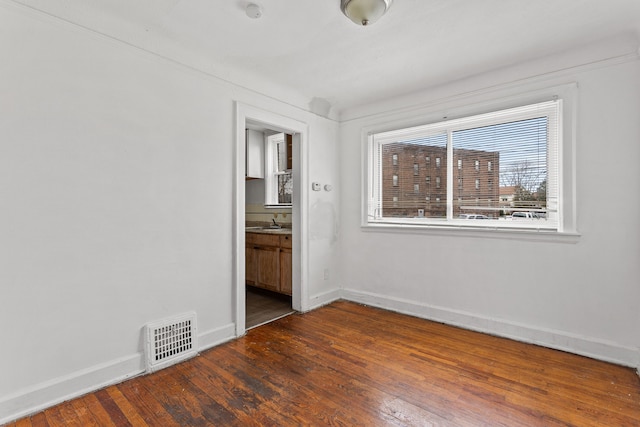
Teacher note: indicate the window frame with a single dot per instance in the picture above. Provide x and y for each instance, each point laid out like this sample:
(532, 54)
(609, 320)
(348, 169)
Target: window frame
(473, 105)
(273, 171)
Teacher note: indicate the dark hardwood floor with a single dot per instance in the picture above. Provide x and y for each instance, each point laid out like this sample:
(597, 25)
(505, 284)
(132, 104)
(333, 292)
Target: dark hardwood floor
(351, 365)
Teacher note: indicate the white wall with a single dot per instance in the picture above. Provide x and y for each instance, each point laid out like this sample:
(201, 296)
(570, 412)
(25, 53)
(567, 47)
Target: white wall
(254, 192)
(582, 297)
(116, 205)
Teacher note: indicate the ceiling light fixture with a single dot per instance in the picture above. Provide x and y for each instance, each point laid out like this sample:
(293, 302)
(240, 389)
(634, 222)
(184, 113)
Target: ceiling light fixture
(364, 12)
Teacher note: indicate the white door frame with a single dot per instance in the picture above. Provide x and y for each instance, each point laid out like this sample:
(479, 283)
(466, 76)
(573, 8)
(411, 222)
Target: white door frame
(299, 298)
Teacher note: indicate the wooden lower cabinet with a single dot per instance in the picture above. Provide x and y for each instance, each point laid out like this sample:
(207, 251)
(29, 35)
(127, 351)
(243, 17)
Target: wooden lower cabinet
(268, 271)
(268, 262)
(250, 264)
(285, 271)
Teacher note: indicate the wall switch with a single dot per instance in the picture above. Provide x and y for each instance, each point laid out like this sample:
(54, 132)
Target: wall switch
(315, 186)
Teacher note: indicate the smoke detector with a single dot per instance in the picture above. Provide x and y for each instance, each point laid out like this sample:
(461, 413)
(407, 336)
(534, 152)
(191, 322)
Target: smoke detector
(254, 11)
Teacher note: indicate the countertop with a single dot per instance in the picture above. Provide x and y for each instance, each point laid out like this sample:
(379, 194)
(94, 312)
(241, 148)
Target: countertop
(263, 230)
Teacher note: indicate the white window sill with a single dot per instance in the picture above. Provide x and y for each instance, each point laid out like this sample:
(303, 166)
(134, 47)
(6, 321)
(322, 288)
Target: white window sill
(536, 235)
(281, 206)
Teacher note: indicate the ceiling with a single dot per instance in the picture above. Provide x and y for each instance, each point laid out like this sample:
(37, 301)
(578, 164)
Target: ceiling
(309, 48)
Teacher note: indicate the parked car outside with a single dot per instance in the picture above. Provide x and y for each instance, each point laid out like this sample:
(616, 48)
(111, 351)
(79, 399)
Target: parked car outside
(526, 215)
(472, 216)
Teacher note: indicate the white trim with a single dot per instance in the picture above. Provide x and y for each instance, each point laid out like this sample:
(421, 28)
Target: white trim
(49, 393)
(407, 105)
(271, 172)
(325, 298)
(290, 98)
(300, 131)
(498, 99)
(533, 235)
(559, 340)
(215, 337)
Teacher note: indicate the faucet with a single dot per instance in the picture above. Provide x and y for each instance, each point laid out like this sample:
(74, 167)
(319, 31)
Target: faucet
(275, 224)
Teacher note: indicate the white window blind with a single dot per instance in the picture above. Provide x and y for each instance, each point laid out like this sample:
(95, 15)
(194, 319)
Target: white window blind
(501, 162)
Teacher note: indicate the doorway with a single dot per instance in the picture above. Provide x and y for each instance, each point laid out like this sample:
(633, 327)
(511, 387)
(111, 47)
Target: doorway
(252, 117)
(263, 306)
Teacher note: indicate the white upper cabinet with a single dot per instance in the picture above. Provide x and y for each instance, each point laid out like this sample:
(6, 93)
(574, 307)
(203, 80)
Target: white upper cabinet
(255, 154)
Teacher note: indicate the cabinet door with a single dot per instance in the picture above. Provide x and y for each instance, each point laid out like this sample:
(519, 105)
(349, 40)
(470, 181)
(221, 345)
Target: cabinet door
(289, 139)
(250, 265)
(254, 154)
(268, 271)
(285, 271)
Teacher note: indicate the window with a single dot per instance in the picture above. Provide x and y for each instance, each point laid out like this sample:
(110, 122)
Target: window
(416, 188)
(520, 148)
(278, 177)
(416, 169)
(394, 160)
(395, 180)
(428, 180)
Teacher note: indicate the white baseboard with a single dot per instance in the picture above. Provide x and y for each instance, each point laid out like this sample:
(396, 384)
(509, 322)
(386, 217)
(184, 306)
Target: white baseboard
(41, 396)
(324, 298)
(44, 395)
(216, 336)
(585, 346)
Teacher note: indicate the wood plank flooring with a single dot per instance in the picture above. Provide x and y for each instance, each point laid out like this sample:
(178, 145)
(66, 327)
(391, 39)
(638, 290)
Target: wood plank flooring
(264, 306)
(351, 365)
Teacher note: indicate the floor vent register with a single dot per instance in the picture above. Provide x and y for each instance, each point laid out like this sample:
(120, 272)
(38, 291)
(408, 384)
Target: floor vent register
(170, 341)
